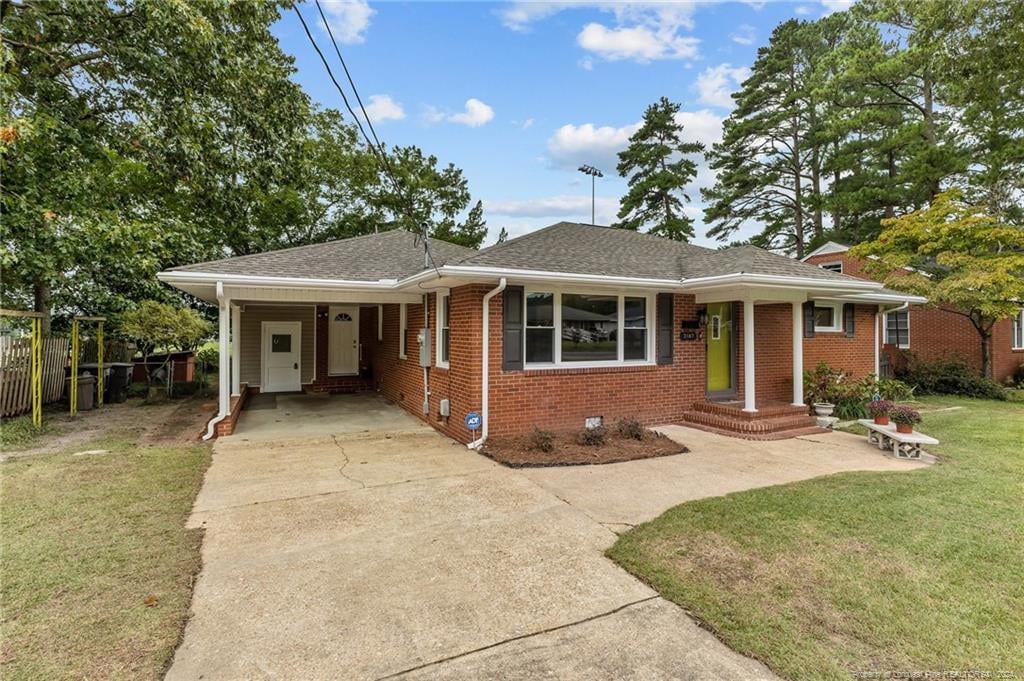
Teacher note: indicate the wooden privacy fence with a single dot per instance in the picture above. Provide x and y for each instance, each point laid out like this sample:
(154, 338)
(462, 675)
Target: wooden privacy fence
(16, 373)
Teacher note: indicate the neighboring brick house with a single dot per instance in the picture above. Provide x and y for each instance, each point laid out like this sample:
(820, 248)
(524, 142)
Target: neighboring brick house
(931, 332)
(561, 325)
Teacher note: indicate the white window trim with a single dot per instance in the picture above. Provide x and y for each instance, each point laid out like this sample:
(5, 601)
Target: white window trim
(833, 263)
(837, 318)
(442, 294)
(1018, 344)
(380, 323)
(885, 338)
(622, 294)
(403, 331)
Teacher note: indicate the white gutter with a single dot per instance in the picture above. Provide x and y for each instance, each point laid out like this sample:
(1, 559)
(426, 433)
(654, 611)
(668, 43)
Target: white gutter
(222, 363)
(545, 275)
(485, 365)
(171, 277)
(779, 280)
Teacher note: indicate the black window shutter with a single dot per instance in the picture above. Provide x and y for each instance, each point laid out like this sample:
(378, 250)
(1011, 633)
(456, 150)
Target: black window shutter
(665, 328)
(809, 319)
(849, 313)
(512, 329)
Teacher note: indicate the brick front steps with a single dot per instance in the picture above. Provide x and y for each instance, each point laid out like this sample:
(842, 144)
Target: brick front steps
(769, 422)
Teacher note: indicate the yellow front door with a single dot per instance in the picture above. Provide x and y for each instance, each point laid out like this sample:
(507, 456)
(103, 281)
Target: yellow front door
(719, 338)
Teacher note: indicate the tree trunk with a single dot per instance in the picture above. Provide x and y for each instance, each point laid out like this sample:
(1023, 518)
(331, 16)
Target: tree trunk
(891, 157)
(929, 131)
(984, 329)
(41, 294)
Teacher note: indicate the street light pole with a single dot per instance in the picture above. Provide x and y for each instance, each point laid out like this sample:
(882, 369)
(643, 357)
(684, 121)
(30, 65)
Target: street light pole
(594, 174)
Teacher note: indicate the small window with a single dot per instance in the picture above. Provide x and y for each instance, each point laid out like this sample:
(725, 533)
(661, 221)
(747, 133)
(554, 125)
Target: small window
(716, 327)
(443, 329)
(403, 331)
(827, 317)
(1018, 331)
(590, 326)
(897, 328)
(832, 267)
(540, 327)
(343, 317)
(280, 342)
(634, 333)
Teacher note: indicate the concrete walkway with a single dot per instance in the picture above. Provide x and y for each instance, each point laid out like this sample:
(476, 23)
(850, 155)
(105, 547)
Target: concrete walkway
(398, 553)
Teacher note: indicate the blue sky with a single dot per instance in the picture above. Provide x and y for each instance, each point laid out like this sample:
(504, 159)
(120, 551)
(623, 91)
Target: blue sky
(519, 94)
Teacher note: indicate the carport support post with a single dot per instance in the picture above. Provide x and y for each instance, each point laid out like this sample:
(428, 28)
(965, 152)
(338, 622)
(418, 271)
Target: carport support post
(223, 367)
(236, 350)
(798, 354)
(749, 391)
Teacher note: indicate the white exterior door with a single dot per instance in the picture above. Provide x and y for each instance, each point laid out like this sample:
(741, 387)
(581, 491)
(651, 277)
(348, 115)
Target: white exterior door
(343, 340)
(282, 356)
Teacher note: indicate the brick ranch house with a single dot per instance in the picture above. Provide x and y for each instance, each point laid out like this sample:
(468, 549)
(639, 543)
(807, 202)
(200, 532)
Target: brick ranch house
(560, 325)
(930, 332)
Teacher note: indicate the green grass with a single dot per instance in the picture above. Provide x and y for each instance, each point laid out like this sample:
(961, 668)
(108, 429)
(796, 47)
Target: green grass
(86, 541)
(21, 432)
(862, 572)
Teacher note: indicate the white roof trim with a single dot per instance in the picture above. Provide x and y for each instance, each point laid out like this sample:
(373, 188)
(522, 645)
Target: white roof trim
(825, 249)
(190, 277)
(885, 298)
(545, 275)
(780, 280)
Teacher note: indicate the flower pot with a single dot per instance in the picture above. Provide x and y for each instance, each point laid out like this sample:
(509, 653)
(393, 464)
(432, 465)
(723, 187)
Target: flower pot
(904, 428)
(882, 419)
(824, 408)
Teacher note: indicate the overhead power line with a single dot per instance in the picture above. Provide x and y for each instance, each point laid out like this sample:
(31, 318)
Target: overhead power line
(378, 150)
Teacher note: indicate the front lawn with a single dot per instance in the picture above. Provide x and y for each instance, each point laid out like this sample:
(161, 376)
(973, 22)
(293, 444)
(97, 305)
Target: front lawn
(862, 572)
(97, 565)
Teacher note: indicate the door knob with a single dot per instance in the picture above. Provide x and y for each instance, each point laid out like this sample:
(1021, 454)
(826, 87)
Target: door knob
(295, 365)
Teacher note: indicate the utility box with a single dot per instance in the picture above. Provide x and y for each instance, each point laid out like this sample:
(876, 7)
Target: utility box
(424, 340)
(445, 407)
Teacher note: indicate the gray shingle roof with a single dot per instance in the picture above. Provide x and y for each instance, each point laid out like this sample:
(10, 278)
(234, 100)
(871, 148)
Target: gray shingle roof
(388, 255)
(754, 260)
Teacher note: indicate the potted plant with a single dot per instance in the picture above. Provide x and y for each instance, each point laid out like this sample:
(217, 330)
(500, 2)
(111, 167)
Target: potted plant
(904, 418)
(879, 410)
(824, 408)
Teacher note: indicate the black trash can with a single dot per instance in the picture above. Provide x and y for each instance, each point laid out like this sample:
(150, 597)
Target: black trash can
(86, 391)
(117, 380)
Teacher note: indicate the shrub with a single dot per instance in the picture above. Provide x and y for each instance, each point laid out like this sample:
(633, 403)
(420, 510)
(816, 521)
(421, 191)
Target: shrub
(542, 440)
(630, 428)
(904, 415)
(950, 376)
(207, 357)
(592, 437)
(879, 407)
(894, 389)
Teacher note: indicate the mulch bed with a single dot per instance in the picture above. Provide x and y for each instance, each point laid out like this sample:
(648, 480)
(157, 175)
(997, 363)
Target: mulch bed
(516, 452)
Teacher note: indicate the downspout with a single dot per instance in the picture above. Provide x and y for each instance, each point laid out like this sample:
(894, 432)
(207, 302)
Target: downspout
(426, 371)
(222, 413)
(485, 365)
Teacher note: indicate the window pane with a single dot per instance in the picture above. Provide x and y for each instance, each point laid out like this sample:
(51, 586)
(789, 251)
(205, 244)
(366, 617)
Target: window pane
(589, 327)
(446, 306)
(636, 312)
(540, 309)
(823, 316)
(445, 343)
(540, 345)
(635, 344)
(280, 342)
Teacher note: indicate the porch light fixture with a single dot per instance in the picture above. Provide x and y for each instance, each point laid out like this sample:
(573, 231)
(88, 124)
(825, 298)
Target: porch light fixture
(594, 174)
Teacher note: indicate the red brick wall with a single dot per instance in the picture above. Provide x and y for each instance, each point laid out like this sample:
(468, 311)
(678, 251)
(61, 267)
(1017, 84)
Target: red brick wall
(936, 332)
(562, 398)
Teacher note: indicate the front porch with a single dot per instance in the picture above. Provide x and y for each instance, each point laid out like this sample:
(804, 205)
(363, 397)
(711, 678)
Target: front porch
(771, 421)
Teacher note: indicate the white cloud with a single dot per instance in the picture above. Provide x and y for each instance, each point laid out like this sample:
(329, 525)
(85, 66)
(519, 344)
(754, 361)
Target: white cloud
(476, 114)
(587, 64)
(432, 115)
(572, 145)
(574, 206)
(643, 31)
(717, 83)
(383, 108)
(743, 35)
(528, 123)
(636, 42)
(836, 5)
(348, 19)
(802, 10)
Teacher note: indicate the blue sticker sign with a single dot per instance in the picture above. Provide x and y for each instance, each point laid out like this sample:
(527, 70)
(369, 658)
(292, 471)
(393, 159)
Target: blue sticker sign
(473, 420)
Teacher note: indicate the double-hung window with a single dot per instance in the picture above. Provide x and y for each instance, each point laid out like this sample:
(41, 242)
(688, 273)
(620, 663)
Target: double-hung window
(569, 328)
(897, 328)
(1018, 330)
(443, 329)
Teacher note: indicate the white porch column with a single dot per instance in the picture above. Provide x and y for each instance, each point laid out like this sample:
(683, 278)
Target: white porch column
(224, 375)
(798, 354)
(749, 391)
(236, 350)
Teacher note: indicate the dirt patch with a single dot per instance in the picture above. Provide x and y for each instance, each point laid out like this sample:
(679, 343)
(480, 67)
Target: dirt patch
(518, 452)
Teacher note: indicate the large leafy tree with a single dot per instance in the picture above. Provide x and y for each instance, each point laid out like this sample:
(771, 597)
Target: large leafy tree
(959, 256)
(658, 165)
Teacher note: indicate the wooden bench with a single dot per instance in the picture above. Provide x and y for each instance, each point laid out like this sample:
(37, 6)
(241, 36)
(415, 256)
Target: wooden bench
(903, 445)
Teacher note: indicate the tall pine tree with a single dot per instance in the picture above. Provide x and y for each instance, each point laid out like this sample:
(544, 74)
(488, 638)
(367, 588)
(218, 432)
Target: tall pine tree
(659, 165)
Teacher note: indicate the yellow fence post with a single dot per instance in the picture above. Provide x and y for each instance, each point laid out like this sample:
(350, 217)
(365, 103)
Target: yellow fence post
(37, 372)
(99, 369)
(73, 398)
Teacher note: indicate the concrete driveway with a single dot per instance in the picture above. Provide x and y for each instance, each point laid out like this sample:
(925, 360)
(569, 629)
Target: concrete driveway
(398, 553)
